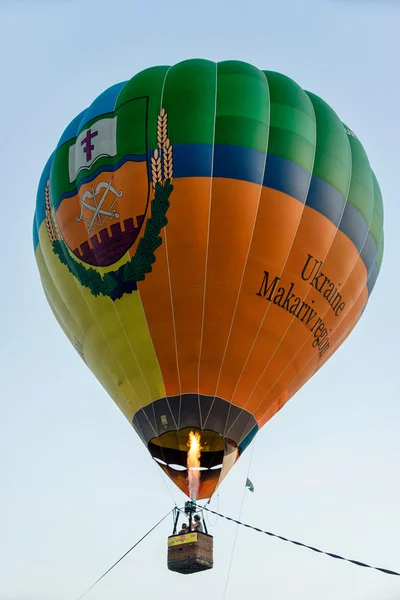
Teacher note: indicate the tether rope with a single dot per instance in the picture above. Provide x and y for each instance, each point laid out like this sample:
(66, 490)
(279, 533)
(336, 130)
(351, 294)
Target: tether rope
(124, 555)
(281, 537)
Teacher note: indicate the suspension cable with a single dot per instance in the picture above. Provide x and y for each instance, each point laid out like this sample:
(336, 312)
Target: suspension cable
(124, 555)
(337, 556)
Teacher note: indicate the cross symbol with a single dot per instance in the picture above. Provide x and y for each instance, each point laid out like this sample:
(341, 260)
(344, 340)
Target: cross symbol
(87, 142)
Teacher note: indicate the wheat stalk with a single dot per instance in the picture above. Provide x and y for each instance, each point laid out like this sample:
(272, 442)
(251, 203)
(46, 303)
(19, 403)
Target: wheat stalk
(162, 128)
(56, 226)
(52, 226)
(168, 166)
(161, 161)
(48, 217)
(156, 170)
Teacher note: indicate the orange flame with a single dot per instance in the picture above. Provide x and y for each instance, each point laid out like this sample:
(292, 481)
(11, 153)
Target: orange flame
(193, 464)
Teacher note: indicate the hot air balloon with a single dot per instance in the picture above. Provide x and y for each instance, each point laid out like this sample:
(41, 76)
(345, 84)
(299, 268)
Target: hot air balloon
(207, 236)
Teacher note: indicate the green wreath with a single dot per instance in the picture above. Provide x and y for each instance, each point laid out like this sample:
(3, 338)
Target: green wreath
(117, 283)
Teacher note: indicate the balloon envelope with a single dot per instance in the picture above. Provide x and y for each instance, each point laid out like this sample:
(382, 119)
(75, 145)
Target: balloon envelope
(207, 236)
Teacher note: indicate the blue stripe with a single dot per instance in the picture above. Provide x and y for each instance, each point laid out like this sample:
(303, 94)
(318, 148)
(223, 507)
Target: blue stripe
(286, 176)
(244, 164)
(372, 278)
(231, 161)
(369, 253)
(326, 200)
(35, 233)
(192, 160)
(354, 225)
(247, 440)
(104, 169)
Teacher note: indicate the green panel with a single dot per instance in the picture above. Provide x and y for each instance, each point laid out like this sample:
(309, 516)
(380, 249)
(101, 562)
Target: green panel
(147, 83)
(243, 106)
(242, 91)
(361, 194)
(284, 90)
(293, 125)
(292, 119)
(242, 132)
(287, 145)
(379, 258)
(333, 155)
(189, 99)
(59, 180)
(376, 227)
(378, 205)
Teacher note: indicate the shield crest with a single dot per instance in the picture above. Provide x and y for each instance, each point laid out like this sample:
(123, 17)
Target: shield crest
(105, 187)
(101, 181)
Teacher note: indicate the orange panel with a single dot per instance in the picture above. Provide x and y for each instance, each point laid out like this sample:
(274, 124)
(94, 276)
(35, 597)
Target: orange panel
(130, 180)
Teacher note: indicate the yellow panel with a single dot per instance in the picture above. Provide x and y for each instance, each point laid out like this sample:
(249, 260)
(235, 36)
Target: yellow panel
(114, 335)
(182, 539)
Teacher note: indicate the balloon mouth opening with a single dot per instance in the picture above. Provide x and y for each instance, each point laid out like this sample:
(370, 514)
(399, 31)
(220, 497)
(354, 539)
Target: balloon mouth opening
(181, 468)
(197, 476)
(171, 450)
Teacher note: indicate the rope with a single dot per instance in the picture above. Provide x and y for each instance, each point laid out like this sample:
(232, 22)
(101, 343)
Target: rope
(124, 555)
(354, 562)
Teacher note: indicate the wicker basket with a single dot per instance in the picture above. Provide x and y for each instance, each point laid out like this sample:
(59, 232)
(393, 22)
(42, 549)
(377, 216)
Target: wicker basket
(190, 553)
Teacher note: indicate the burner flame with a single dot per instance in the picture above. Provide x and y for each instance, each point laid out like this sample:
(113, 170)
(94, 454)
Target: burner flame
(193, 464)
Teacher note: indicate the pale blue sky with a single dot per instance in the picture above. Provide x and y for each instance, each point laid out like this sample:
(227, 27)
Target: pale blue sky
(77, 485)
